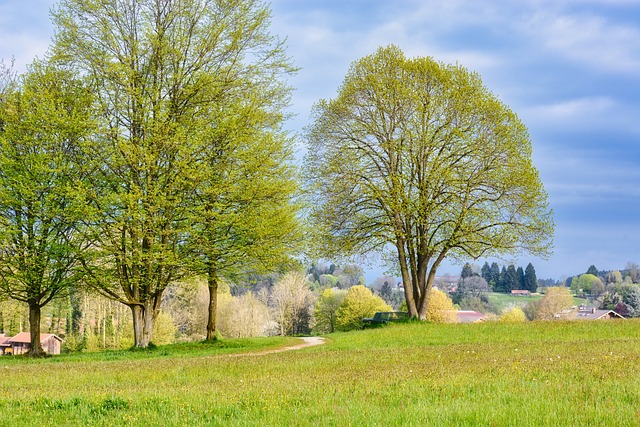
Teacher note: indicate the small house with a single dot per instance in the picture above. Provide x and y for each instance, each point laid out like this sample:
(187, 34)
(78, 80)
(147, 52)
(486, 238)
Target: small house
(591, 313)
(5, 346)
(469, 316)
(21, 343)
(520, 293)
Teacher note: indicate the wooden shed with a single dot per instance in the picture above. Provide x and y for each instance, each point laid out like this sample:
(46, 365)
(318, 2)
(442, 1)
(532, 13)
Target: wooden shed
(21, 343)
(5, 346)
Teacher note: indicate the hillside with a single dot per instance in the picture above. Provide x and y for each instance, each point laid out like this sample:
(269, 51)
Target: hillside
(579, 373)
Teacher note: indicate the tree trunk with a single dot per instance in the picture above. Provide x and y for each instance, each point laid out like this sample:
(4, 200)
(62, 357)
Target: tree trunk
(35, 349)
(406, 280)
(427, 284)
(426, 294)
(212, 282)
(143, 320)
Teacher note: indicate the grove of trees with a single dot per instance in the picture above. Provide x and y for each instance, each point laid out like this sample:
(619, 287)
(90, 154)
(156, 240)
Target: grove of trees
(509, 278)
(144, 164)
(151, 148)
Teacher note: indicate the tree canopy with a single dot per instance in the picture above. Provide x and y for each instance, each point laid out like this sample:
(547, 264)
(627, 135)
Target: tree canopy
(419, 156)
(184, 90)
(44, 117)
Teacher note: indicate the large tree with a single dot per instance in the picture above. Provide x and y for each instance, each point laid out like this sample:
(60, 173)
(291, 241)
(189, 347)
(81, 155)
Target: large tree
(44, 119)
(162, 71)
(419, 156)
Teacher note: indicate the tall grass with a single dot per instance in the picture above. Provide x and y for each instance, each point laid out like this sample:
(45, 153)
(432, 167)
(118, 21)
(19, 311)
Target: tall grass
(532, 374)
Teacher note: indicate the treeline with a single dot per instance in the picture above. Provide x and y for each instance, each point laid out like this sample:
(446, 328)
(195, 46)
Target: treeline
(291, 303)
(504, 279)
(144, 152)
(617, 290)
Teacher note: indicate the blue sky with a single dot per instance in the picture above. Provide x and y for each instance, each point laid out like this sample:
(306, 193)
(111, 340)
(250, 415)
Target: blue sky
(569, 68)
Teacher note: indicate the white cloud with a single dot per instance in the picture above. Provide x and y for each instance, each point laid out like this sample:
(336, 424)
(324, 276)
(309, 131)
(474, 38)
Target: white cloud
(590, 40)
(589, 113)
(581, 109)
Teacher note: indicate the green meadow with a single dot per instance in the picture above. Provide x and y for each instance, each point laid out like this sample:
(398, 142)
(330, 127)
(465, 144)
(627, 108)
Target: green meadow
(531, 374)
(504, 301)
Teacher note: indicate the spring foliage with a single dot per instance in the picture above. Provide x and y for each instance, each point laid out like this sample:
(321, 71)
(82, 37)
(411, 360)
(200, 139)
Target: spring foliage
(441, 309)
(555, 300)
(190, 101)
(359, 303)
(513, 315)
(419, 156)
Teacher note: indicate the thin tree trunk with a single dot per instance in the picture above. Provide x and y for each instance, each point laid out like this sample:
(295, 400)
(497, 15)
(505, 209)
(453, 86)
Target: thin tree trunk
(212, 282)
(406, 281)
(35, 349)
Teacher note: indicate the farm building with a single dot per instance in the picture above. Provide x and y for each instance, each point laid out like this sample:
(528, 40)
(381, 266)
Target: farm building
(20, 343)
(4, 345)
(591, 313)
(520, 293)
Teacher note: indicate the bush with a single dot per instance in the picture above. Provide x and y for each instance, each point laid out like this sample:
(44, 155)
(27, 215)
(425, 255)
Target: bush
(358, 304)
(554, 302)
(513, 315)
(326, 309)
(440, 308)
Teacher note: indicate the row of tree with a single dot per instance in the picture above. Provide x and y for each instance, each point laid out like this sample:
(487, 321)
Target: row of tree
(506, 279)
(147, 148)
(289, 306)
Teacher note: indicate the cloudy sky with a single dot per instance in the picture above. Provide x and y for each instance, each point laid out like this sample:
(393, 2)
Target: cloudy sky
(569, 68)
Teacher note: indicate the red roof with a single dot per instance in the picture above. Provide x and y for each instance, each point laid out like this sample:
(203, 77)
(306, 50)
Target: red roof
(468, 316)
(25, 337)
(3, 341)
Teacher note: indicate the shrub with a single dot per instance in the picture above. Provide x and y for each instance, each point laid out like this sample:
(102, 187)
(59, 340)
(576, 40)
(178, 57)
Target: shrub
(358, 304)
(326, 309)
(440, 308)
(513, 315)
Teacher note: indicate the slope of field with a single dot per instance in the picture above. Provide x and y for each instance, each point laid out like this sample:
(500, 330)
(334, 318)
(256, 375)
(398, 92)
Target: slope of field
(533, 374)
(505, 301)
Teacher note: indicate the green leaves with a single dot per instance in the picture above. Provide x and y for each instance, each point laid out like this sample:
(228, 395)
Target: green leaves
(420, 155)
(190, 164)
(46, 116)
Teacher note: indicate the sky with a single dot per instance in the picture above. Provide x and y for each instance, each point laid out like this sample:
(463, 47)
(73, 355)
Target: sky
(570, 69)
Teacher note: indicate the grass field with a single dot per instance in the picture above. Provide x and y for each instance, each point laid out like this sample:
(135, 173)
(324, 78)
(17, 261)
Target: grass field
(504, 301)
(532, 374)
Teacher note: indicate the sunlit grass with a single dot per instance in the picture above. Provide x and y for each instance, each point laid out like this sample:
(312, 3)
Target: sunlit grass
(532, 374)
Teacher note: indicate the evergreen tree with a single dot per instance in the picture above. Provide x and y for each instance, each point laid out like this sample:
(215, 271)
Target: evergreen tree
(386, 292)
(467, 271)
(501, 283)
(511, 279)
(520, 273)
(592, 270)
(495, 275)
(485, 272)
(530, 280)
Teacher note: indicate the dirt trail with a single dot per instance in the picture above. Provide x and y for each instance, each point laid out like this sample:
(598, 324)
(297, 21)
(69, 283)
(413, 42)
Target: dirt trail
(306, 342)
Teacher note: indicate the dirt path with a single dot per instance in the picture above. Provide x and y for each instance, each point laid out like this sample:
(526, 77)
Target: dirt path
(306, 342)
